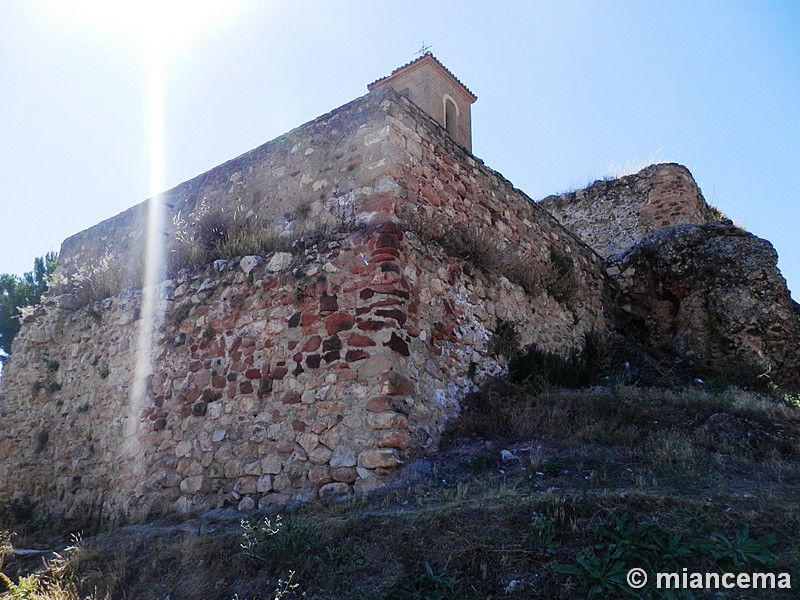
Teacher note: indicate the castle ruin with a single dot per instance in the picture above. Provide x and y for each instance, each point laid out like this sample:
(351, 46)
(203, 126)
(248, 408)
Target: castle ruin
(321, 369)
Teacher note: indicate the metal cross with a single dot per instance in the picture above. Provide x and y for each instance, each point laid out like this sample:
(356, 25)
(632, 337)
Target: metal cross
(423, 49)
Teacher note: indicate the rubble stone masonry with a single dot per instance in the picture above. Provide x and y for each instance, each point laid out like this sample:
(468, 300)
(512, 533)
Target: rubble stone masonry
(312, 373)
(325, 370)
(614, 215)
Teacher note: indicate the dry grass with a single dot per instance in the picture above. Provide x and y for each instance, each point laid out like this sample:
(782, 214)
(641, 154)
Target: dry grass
(212, 235)
(96, 280)
(587, 462)
(482, 248)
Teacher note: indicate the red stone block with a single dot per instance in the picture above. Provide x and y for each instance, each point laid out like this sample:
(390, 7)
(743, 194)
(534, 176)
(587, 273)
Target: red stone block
(395, 439)
(380, 202)
(395, 384)
(410, 182)
(313, 361)
(312, 344)
(339, 322)
(344, 474)
(355, 355)
(378, 404)
(328, 304)
(246, 387)
(397, 315)
(291, 398)
(372, 325)
(298, 425)
(329, 357)
(253, 373)
(359, 341)
(397, 344)
(346, 374)
(387, 240)
(319, 475)
(381, 253)
(308, 319)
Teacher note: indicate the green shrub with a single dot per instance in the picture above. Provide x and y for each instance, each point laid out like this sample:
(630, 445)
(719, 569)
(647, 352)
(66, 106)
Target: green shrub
(505, 340)
(562, 279)
(429, 585)
(539, 369)
(283, 545)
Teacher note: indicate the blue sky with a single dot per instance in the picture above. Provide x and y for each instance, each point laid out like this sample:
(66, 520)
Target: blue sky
(568, 92)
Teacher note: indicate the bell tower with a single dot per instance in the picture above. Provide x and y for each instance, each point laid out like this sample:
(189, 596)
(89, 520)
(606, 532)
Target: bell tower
(431, 86)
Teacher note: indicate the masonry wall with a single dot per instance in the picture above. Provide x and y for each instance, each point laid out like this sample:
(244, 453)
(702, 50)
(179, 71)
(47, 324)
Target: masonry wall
(325, 167)
(612, 216)
(267, 386)
(298, 375)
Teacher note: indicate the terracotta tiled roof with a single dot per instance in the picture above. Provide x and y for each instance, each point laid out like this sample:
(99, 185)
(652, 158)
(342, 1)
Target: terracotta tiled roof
(420, 59)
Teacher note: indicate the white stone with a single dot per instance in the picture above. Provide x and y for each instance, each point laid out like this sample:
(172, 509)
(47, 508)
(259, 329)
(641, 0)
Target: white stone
(247, 504)
(377, 136)
(343, 457)
(279, 262)
(208, 284)
(192, 485)
(248, 263)
(264, 484)
(271, 464)
(184, 448)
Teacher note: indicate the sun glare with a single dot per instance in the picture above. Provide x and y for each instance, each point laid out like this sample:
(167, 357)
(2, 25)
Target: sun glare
(159, 28)
(162, 23)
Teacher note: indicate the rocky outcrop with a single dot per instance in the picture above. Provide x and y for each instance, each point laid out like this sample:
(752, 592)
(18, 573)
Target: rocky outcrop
(711, 295)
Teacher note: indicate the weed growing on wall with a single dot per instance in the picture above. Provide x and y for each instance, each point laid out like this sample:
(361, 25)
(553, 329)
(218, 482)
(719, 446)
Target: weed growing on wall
(561, 282)
(99, 279)
(217, 234)
(557, 276)
(474, 245)
(505, 341)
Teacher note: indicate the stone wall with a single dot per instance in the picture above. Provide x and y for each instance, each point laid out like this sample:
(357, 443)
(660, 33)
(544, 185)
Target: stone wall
(276, 378)
(613, 215)
(294, 375)
(323, 168)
